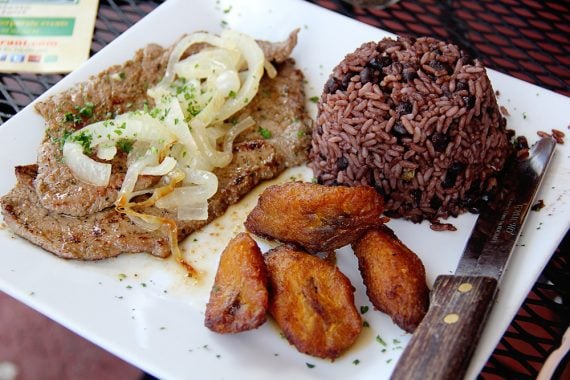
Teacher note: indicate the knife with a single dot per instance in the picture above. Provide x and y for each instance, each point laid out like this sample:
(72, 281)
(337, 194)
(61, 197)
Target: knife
(443, 343)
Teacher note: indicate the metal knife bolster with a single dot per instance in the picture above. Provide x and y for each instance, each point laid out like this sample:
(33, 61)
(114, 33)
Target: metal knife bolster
(443, 343)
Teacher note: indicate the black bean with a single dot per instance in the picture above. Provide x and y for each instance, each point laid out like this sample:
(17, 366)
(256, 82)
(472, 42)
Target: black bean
(456, 168)
(469, 101)
(341, 163)
(503, 124)
(441, 66)
(409, 75)
(366, 75)
(416, 195)
(449, 180)
(439, 141)
(461, 85)
(375, 64)
(436, 65)
(398, 130)
(345, 81)
(521, 143)
(453, 171)
(466, 58)
(435, 203)
(331, 86)
(405, 108)
(379, 62)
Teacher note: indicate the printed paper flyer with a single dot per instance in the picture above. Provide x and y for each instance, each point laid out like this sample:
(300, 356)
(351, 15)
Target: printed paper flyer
(45, 36)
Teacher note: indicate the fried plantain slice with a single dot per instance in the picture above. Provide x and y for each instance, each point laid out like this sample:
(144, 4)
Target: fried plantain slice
(394, 277)
(239, 297)
(312, 302)
(316, 217)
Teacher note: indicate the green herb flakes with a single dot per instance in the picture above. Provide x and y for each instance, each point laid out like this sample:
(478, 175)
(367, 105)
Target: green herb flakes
(84, 139)
(122, 276)
(87, 110)
(380, 340)
(310, 365)
(125, 145)
(363, 309)
(365, 324)
(356, 362)
(314, 99)
(265, 133)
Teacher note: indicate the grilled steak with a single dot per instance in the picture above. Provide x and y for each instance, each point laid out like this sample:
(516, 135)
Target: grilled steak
(52, 209)
(117, 90)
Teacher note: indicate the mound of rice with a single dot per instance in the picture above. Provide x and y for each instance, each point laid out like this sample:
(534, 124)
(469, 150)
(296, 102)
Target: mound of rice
(418, 120)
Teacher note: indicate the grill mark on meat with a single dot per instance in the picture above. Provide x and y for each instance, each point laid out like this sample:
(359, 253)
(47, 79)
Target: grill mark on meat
(101, 234)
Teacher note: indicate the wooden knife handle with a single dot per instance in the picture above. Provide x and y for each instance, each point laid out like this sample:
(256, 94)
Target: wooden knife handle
(443, 343)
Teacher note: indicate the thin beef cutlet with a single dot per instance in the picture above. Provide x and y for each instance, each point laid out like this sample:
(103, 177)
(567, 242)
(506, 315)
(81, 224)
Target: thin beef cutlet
(78, 231)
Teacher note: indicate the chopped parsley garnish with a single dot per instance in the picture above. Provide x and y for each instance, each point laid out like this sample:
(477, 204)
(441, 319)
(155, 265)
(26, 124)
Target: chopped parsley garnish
(228, 9)
(232, 94)
(193, 109)
(356, 362)
(265, 133)
(300, 134)
(122, 276)
(122, 75)
(314, 99)
(70, 117)
(380, 340)
(365, 324)
(87, 110)
(363, 309)
(84, 139)
(309, 365)
(125, 145)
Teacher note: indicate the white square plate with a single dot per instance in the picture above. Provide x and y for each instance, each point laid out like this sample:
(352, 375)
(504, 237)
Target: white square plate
(144, 310)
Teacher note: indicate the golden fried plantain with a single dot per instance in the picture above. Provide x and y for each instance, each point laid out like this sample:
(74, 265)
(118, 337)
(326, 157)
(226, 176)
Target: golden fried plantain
(316, 217)
(394, 277)
(239, 297)
(312, 302)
